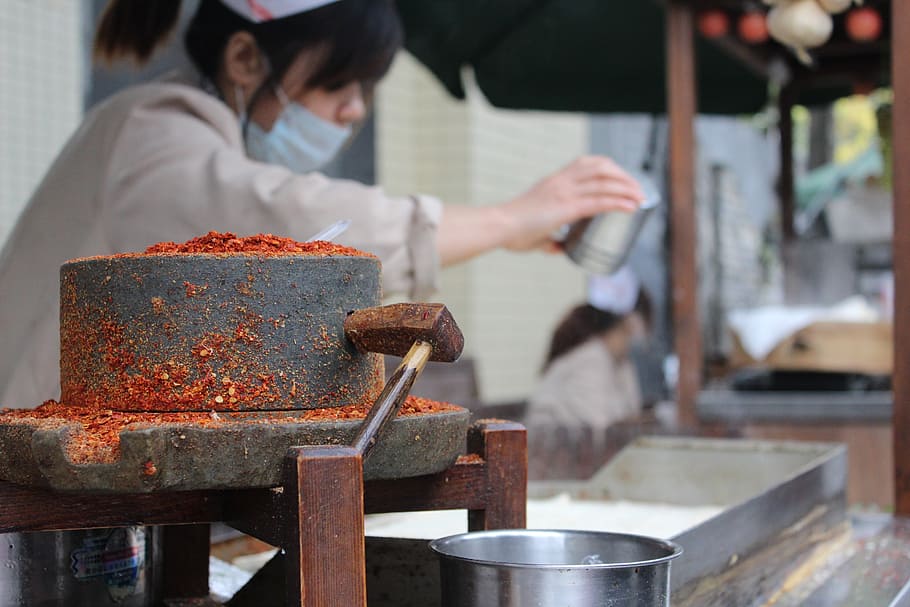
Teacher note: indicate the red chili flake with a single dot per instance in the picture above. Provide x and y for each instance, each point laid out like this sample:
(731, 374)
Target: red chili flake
(194, 290)
(157, 305)
(149, 468)
(323, 340)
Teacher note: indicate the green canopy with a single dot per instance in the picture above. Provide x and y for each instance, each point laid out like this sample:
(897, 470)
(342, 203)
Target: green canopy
(571, 55)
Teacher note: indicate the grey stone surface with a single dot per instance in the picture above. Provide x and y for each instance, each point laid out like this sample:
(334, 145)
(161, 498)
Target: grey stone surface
(187, 328)
(242, 452)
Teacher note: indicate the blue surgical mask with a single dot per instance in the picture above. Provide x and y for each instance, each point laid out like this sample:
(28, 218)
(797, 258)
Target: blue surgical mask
(299, 140)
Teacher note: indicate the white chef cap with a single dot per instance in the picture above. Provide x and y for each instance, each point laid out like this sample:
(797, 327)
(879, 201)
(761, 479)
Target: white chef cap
(616, 293)
(258, 11)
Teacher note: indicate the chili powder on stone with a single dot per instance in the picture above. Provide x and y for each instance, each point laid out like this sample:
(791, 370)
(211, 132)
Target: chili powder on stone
(219, 243)
(99, 440)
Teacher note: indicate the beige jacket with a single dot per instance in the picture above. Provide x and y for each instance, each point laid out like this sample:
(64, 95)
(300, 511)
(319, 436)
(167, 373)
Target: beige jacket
(165, 162)
(585, 387)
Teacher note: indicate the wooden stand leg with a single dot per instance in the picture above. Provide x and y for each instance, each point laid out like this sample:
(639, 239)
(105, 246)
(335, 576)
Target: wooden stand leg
(504, 447)
(324, 527)
(186, 561)
(900, 135)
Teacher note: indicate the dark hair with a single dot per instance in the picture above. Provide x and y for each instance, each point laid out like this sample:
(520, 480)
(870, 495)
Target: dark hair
(359, 38)
(133, 29)
(585, 321)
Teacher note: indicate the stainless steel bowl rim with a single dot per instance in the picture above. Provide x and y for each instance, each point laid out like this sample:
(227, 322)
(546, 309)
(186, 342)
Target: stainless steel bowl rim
(673, 548)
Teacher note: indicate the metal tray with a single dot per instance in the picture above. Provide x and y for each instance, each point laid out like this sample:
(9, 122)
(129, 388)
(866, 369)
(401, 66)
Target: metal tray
(763, 488)
(768, 493)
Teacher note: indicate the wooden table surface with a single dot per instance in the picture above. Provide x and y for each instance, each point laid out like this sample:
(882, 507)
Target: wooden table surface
(870, 568)
(865, 563)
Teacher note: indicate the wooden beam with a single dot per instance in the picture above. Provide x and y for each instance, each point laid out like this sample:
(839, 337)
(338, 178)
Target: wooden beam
(253, 511)
(34, 509)
(900, 53)
(841, 72)
(848, 49)
(754, 58)
(463, 484)
(681, 100)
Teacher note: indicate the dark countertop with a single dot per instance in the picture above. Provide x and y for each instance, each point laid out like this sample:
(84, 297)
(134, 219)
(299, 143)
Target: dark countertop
(722, 404)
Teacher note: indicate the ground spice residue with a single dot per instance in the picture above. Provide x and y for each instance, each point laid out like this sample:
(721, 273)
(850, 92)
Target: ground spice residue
(196, 345)
(136, 384)
(469, 459)
(218, 243)
(99, 439)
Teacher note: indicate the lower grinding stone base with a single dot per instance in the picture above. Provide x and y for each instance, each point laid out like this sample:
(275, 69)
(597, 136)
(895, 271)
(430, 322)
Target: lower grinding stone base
(241, 452)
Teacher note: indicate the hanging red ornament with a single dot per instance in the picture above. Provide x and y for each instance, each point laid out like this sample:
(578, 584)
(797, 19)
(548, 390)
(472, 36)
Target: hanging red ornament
(713, 23)
(752, 27)
(864, 24)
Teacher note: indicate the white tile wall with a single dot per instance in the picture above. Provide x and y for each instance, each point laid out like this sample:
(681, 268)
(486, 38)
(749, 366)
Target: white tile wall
(470, 153)
(41, 80)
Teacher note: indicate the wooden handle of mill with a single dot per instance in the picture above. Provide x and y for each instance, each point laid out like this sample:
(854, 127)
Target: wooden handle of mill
(393, 329)
(393, 394)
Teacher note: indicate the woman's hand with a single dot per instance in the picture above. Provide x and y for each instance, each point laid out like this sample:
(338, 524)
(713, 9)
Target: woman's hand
(586, 187)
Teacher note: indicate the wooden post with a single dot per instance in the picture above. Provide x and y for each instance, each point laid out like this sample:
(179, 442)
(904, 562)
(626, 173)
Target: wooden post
(900, 79)
(186, 561)
(785, 185)
(324, 527)
(681, 100)
(504, 448)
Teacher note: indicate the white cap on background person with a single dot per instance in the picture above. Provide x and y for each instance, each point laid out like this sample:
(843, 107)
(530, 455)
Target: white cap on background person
(615, 293)
(258, 11)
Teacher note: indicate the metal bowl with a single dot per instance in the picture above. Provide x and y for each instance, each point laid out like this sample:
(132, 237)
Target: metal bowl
(554, 568)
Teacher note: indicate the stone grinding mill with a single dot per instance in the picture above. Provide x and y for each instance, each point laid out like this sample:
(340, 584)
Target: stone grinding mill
(198, 371)
(218, 360)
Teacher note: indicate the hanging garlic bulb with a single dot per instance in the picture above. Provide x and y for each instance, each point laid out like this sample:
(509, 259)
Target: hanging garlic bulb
(800, 24)
(835, 6)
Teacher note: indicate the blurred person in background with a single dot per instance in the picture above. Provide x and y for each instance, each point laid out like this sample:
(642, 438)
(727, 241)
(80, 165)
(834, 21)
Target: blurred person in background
(236, 147)
(589, 380)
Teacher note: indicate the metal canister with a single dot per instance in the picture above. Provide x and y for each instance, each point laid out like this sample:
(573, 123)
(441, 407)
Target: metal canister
(110, 566)
(601, 244)
(554, 568)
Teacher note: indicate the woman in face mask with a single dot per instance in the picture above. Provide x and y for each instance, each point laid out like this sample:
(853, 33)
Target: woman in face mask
(589, 380)
(234, 147)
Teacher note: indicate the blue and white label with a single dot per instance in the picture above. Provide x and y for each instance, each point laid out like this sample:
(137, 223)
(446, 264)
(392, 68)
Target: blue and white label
(117, 558)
